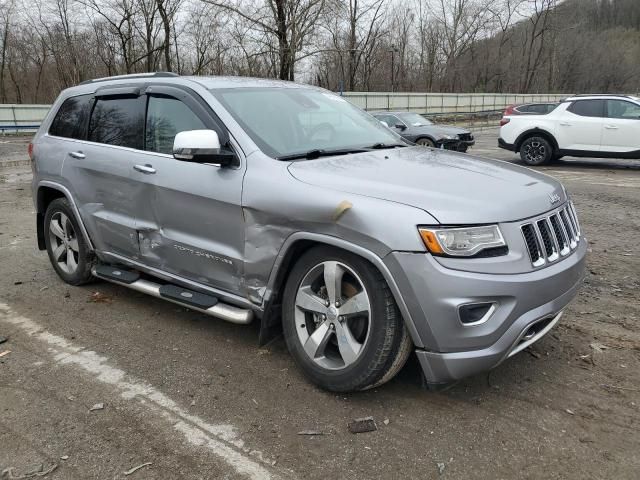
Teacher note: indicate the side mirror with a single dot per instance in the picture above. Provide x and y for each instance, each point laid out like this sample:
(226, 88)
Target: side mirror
(384, 123)
(201, 146)
(401, 126)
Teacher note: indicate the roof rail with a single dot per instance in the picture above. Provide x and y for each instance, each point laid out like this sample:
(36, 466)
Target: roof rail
(132, 75)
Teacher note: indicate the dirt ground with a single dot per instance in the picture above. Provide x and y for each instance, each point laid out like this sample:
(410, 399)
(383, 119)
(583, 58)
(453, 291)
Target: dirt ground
(100, 380)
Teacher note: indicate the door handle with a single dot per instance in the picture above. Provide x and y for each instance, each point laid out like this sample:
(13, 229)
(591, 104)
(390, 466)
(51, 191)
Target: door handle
(565, 124)
(79, 155)
(146, 169)
(611, 127)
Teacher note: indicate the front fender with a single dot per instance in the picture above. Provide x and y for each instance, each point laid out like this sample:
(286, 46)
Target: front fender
(378, 262)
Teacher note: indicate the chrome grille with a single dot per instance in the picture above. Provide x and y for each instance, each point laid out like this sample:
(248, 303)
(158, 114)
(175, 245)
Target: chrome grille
(552, 237)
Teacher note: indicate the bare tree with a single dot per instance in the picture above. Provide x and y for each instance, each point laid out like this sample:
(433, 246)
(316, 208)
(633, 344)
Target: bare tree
(539, 23)
(461, 23)
(167, 10)
(364, 20)
(289, 22)
(419, 45)
(6, 13)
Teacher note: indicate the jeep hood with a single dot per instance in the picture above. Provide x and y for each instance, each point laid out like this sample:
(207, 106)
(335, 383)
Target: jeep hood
(454, 188)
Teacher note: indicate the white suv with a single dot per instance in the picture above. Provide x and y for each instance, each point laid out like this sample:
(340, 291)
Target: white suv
(603, 126)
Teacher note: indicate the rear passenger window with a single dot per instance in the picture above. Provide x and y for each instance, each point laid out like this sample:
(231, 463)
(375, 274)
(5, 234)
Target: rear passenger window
(70, 119)
(166, 117)
(588, 108)
(118, 121)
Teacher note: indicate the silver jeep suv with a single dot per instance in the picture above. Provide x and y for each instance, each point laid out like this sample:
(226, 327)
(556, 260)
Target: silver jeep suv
(256, 199)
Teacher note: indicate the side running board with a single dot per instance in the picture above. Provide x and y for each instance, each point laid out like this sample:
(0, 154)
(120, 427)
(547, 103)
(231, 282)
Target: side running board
(201, 302)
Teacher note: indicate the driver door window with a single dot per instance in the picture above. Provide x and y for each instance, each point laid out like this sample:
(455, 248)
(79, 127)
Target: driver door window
(623, 110)
(166, 117)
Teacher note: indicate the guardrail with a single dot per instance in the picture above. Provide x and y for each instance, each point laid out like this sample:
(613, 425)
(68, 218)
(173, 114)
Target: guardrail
(439, 103)
(470, 107)
(19, 117)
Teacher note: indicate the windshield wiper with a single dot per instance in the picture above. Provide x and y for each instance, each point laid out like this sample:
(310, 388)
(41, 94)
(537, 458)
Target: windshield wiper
(317, 153)
(382, 146)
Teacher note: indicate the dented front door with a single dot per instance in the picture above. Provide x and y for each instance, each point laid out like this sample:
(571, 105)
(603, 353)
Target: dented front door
(190, 221)
(189, 216)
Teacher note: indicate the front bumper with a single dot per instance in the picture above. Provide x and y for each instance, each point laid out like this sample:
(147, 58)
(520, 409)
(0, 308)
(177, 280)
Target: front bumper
(465, 145)
(447, 349)
(447, 144)
(456, 145)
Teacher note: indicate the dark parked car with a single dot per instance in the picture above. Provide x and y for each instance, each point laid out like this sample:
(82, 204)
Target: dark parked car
(417, 129)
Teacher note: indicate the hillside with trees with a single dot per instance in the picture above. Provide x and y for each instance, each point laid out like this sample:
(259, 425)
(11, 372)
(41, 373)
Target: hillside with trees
(377, 45)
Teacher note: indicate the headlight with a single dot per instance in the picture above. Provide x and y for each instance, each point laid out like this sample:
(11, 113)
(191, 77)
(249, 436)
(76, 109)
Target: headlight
(449, 137)
(461, 242)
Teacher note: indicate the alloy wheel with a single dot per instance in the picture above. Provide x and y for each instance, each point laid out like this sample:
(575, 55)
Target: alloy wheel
(333, 315)
(64, 242)
(535, 152)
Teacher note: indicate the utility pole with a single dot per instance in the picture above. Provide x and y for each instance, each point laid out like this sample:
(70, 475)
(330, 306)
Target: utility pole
(393, 51)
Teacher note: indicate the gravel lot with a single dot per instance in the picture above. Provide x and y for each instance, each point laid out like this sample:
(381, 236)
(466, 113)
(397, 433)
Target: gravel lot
(198, 398)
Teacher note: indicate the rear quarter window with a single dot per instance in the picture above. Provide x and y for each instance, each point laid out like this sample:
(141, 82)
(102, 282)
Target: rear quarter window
(538, 108)
(70, 119)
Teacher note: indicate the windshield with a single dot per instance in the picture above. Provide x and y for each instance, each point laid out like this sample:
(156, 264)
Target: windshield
(414, 119)
(288, 121)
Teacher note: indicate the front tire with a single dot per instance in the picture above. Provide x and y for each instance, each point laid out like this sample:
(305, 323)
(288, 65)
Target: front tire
(68, 251)
(341, 322)
(536, 151)
(426, 142)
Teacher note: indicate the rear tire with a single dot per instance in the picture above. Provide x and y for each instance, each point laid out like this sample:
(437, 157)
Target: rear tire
(360, 343)
(536, 151)
(68, 251)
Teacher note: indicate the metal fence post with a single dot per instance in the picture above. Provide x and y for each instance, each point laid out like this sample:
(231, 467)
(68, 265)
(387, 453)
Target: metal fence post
(15, 119)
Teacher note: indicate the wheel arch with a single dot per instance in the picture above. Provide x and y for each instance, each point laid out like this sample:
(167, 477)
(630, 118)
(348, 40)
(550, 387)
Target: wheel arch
(428, 137)
(46, 193)
(296, 245)
(538, 132)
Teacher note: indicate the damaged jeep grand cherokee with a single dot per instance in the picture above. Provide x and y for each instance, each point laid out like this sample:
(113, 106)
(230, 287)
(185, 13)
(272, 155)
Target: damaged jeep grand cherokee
(255, 199)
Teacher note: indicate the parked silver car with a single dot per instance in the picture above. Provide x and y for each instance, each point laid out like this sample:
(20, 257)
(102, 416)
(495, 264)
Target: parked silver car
(245, 198)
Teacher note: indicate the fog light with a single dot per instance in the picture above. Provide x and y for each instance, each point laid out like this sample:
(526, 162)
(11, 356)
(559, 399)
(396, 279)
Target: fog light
(475, 313)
